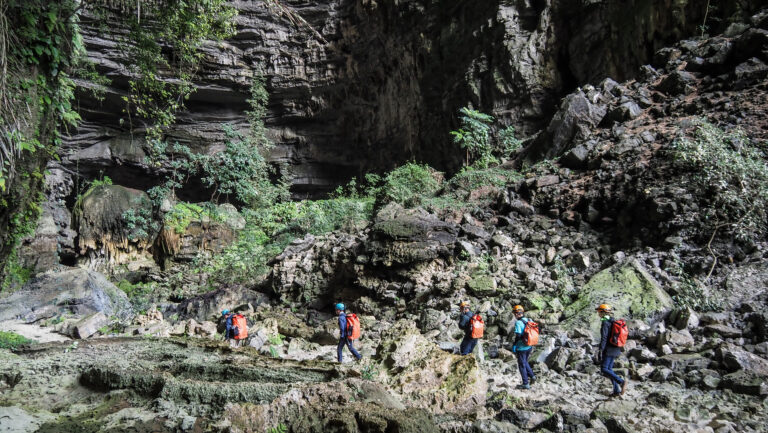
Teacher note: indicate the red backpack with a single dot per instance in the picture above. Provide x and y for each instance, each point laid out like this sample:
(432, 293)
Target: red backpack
(353, 327)
(531, 333)
(476, 326)
(619, 333)
(240, 327)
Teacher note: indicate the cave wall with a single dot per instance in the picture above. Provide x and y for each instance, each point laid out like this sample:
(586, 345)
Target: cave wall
(384, 83)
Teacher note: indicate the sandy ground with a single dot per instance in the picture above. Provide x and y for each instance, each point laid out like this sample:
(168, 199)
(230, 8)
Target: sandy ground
(32, 331)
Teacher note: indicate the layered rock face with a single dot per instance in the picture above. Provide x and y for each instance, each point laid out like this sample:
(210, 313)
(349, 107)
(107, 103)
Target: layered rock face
(365, 85)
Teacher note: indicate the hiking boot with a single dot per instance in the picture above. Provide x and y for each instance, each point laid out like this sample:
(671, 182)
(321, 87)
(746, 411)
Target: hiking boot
(624, 386)
(532, 380)
(615, 395)
(523, 386)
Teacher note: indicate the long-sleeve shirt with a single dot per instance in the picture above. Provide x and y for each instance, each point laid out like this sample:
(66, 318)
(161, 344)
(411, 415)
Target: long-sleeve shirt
(464, 323)
(342, 325)
(606, 348)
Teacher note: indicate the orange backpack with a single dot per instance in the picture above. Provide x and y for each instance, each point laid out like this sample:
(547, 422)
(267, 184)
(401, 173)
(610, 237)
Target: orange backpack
(353, 327)
(531, 333)
(240, 327)
(477, 326)
(619, 333)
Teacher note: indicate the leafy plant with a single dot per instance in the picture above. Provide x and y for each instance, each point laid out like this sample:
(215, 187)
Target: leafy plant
(730, 176)
(369, 372)
(410, 184)
(12, 340)
(474, 136)
(281, 428)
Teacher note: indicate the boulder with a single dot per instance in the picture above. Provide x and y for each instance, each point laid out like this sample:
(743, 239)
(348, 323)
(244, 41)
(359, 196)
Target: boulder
(558, 359)
(629, 288)
(724, 331)
(676, 339)
(79, 292)
(677, 83)
(684, 318)
(576, 117)
(736, 358)
(206, 329)
(402, 236)
(746, 382)
(89, 325)
(429, 377)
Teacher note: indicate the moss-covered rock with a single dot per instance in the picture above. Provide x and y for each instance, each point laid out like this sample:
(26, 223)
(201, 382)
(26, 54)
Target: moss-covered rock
(628, 288)
(428, 377)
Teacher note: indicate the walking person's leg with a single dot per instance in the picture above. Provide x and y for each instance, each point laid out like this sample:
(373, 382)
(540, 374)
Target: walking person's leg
(352, 349)
(527, 365)
(463, 347)
(521, 367)
(607, 370)
(340, 348)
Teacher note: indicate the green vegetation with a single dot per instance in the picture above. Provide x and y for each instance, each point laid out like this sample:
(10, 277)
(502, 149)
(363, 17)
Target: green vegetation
(476, 136)
(731, 176)
(281, 428)
(269, 230)
(409, 185)
(11, 340)
(142, 295)
(184, 213)
(369, 372)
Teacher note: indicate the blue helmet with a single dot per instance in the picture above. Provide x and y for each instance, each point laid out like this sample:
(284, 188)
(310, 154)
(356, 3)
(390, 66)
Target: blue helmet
(223, 312)
(340, 306)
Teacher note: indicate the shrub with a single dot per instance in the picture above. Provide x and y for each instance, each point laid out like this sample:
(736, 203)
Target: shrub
(729, 175)
(410, 184)
(12, 340)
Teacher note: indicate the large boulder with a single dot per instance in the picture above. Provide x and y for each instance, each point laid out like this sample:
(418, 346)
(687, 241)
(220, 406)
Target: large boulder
(401, 236)
(628, 287)
(76, 291)
(574, 120)
(429, 377)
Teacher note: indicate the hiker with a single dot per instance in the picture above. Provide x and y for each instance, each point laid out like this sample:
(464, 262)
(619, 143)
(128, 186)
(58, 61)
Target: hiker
(239, 330)
(344, 338)
(465, 323)
(227, 316)
(521, 348)
(608, 351)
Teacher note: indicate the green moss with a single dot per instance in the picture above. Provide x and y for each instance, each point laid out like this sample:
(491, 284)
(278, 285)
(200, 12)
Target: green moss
(481, 284)
(629, 289)
(12, 340)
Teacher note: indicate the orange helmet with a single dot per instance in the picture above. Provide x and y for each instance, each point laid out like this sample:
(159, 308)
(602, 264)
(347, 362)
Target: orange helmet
(518, 309)
(604, 307)
(464, 304)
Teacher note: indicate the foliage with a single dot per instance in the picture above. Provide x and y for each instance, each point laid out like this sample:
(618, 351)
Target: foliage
(35, 88)
(184, 213)
(730, 176)
(179, 25)
(139, 220)
(12, 340)
(410, 184)
(474, 135)
(369, 372)
(691, 293)
(269, 230)
(281, 428)
(16, 275)
(140, 294)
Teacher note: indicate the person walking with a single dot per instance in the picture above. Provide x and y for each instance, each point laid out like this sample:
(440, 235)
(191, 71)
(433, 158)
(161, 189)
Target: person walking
(608, 352)
(344, 339)
(465, 323)
(228, 331)
(521, 349)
